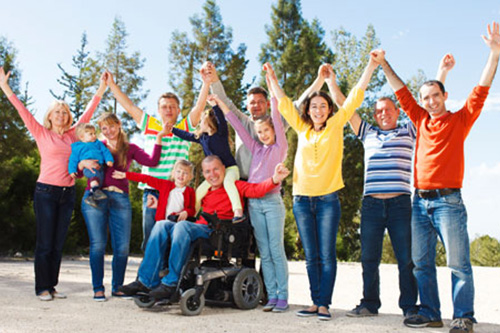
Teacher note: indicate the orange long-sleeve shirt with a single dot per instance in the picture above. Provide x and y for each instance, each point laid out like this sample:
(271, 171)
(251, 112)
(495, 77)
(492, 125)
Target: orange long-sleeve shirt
(439, 154)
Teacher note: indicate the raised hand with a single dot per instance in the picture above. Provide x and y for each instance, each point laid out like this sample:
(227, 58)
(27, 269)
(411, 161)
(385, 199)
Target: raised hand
(280, 173)
(378, 56)
(493, 37)
(102, 84)
(109, 78)
(4, 78)
(213, 100)
(447, 63)
(270, 72)
(208, 73)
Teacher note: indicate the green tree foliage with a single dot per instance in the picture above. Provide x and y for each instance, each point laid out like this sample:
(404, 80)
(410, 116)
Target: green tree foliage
(79, 87)
(125, 70)
(210, 41)
(295, 48)
(485, 251)
(19, 163)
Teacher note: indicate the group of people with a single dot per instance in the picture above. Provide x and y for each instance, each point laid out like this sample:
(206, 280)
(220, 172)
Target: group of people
(170, 206)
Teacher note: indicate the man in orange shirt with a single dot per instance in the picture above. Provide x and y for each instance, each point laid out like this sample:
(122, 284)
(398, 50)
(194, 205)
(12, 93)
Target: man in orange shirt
(438, 209)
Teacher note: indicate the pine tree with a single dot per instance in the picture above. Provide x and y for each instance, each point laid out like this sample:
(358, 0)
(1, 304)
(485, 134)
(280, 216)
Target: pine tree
(79, 87)
(124, 68)
(211, 41)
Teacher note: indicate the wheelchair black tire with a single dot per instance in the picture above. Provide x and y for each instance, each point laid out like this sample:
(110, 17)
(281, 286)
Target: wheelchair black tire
(188, 306)
(247, 289)
(144, 301)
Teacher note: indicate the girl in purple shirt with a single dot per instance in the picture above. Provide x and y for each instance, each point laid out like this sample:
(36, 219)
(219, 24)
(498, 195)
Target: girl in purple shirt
(267, 214)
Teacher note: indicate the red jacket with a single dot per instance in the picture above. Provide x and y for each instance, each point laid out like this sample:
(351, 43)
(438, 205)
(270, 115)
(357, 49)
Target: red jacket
(164, 187)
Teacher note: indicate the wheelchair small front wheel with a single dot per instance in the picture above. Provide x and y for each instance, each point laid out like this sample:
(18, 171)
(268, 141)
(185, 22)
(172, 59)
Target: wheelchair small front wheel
(247, 289)
(144, 301)
(189, 305)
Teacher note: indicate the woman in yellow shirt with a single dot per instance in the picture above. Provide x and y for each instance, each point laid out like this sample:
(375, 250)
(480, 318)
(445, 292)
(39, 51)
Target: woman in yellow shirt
(317, 176)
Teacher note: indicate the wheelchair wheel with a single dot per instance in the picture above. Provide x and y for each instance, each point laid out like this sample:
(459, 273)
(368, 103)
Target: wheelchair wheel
(247, 289)
(144, 301)
(190, 307)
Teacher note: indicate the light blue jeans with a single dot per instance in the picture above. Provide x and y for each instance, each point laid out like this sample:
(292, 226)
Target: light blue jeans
(114, 212)
(267, 216)
(444, 217)
(181, 235)
(318, 222)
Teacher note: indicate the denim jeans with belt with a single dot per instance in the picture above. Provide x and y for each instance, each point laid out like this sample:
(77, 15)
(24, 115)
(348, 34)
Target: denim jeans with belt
(267, 215)
(444, 217)
(393, 214)
(318, 220)
(114, 212)
(53, 209)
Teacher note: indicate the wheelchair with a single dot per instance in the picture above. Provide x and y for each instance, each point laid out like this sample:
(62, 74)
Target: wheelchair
(220, 271)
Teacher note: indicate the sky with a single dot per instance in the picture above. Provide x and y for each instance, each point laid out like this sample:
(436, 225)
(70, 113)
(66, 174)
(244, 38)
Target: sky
(415, 35)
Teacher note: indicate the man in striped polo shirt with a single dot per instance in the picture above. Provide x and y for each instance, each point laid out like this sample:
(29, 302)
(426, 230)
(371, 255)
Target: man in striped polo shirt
(386, 204)
(173, 147)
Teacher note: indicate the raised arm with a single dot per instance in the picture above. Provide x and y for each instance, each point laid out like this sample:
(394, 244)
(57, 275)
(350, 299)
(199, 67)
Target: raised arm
(493, 42)
(273, 81)
(195, 113)
(394, 81)
(316, 85)
(4, 83)
(94, 102)
(367, 74)
(445, 65)
(123, 99)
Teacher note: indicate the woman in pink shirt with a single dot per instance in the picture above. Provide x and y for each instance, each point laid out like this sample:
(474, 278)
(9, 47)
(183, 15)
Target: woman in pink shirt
(54, 197)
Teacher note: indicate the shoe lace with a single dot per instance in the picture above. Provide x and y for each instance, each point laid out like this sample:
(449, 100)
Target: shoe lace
(459, 323)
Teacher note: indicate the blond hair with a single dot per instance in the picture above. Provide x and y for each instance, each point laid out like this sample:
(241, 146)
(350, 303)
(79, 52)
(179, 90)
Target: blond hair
(80, 129)
(183, 163)
(52, 107)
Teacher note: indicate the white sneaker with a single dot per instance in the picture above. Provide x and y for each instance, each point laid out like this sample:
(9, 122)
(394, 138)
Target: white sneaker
(45, 296)
(56, 294)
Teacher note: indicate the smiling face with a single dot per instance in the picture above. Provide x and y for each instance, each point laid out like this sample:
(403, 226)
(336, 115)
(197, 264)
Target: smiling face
(265, 132)
(58, 116)
(110, 130)
(168, 109)
(386, 114)
(319, 111)
(257, 104)
(214, 172)
(182, 175)
(433, 100)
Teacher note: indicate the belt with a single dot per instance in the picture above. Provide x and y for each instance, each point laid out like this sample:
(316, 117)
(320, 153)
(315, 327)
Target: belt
(113, 189)
(440, 192)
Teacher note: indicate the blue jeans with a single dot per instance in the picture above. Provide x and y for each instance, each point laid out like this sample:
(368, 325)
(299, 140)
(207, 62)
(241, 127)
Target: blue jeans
(318, 222)
(115, 213)
(444, 217)
(180, 235)
(395, 215)
(53, 207)
(148, 217)
(267, 216)
(97, 175)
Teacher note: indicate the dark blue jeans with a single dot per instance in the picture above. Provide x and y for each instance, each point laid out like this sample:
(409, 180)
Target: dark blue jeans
(393, 214)
(318, 221)
(53, 209)
(148, 217)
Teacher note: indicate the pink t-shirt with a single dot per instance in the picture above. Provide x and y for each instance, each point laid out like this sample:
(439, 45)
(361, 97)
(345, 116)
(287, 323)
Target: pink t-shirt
(54, 148)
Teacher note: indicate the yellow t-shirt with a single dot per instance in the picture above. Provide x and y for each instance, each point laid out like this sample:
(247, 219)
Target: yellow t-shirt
(318, 162)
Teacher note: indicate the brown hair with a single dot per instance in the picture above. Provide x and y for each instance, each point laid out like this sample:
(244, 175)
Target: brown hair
(212, 123)
(122, 146)
(264, 120)
(170, 95)
(54, 105)
(258, 90)
(307, 103)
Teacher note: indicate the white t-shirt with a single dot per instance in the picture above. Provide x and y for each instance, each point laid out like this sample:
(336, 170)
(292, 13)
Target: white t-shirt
(176, 200)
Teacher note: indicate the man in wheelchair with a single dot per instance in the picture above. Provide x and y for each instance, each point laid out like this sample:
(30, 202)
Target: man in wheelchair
(182, 234)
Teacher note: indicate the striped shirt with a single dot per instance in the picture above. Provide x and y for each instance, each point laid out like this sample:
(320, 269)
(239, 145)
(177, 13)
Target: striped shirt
(173, 148)
(388, 158)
